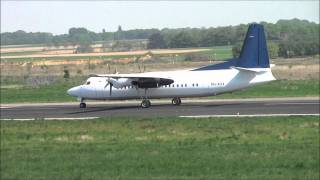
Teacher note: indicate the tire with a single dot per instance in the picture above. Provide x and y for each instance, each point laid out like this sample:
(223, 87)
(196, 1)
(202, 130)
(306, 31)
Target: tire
(83, 105)
(176, 101)
(145, 103)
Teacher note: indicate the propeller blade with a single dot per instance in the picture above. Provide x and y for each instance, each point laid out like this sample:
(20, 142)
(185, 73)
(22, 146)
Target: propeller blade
(110, 88)
(107, 83)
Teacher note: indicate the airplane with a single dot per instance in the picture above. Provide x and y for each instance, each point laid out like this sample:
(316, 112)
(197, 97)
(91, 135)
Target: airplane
(252, 67)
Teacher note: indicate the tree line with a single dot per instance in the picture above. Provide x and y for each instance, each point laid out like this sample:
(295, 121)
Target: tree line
(286, 38)
(74, 36)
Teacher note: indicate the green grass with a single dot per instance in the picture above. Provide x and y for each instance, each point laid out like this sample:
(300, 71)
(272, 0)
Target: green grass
(279, 88)
(57, 92)
(67, 58)
(218, 52)
(19, 53)
(212, 53)
(22, 45)
(161, 148)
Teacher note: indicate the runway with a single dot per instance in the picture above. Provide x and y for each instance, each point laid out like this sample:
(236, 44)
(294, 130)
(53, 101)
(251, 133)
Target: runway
(194, 108)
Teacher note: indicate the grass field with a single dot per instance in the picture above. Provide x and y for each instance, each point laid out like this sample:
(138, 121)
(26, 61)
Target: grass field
(217, 53)
(71, 58)
(280, 88)
(19, 53)
(162, 148)
(13, 93)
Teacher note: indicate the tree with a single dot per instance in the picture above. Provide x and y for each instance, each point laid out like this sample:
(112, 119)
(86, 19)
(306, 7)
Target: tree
(273, 50)
(155, 41)
(118, 34)
(82, 38)
(119, 28)
(294, 37)
(236, 49)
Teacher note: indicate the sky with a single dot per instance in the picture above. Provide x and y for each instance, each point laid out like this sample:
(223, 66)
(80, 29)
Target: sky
(58, 16)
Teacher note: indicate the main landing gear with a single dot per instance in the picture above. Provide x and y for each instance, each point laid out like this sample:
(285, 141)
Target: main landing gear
(145, 103)
(176, 101)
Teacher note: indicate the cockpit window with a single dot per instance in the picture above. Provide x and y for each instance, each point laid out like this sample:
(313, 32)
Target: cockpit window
(88, 82)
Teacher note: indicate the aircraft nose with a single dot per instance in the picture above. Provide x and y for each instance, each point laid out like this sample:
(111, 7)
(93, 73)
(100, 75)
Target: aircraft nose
(75, 91)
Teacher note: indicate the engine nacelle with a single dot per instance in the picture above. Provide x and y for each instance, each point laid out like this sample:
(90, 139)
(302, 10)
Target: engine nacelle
(121, 82)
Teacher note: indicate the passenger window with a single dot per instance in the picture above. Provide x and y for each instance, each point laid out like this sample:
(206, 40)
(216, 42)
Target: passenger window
(177, 85)
(181, 85)
(192, 85)
(197, 84)
(172, 85)
(185, 85)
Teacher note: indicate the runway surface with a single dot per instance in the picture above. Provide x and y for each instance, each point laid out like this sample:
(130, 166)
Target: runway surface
(163, 109)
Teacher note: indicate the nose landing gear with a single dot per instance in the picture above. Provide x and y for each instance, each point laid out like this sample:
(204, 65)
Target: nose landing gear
(82, 104)
(176, 101)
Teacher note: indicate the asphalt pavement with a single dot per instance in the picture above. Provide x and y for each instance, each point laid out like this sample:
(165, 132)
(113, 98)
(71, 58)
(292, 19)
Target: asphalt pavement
(163, 108)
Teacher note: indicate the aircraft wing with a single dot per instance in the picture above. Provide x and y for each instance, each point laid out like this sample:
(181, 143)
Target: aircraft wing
(142, 80)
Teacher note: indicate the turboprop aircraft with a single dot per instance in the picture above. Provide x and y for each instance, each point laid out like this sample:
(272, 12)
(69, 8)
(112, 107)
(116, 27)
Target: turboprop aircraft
(251, 68)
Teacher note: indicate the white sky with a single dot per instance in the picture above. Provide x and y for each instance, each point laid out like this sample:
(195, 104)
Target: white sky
(58, 16)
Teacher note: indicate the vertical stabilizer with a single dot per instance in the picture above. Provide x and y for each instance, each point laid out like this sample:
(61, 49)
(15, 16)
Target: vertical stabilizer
(254, 53)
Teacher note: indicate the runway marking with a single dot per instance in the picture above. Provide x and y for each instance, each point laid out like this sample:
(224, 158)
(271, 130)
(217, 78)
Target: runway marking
(293, 103)
(4, 107)
(249, 115)
(63, 118)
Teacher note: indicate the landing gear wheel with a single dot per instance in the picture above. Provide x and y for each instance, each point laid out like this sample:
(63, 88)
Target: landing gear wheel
(145, 103)
(176, 101)
(83, 105)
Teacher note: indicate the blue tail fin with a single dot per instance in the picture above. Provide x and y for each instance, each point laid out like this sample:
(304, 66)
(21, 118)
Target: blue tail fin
(254, 53)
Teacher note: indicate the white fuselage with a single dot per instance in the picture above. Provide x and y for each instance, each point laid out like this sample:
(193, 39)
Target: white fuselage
(186, 84)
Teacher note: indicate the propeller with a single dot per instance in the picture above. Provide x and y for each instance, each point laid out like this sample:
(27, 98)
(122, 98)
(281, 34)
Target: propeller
(108, 83)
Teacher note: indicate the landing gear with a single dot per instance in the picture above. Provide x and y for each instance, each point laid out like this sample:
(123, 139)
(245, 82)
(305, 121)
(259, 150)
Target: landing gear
(176, 101)
(83, 105)
(145, 103)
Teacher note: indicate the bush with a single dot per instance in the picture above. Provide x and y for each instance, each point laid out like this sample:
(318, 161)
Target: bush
(66, 74)
(236, 49)
(84, 48)
(36, 81)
